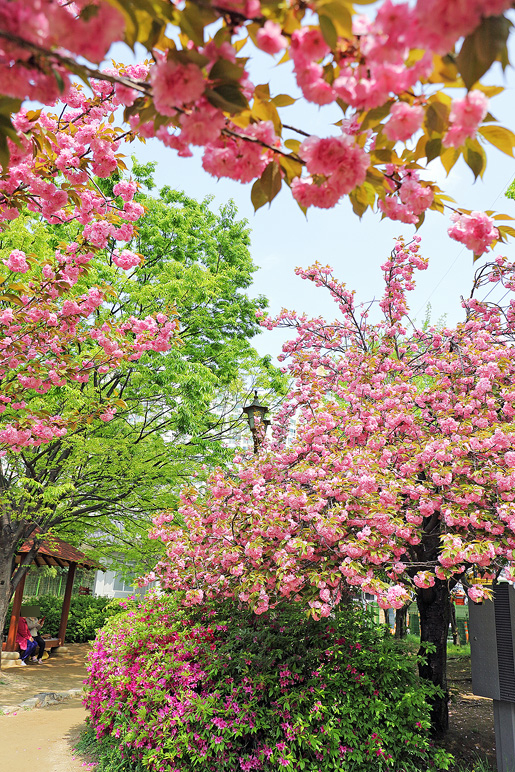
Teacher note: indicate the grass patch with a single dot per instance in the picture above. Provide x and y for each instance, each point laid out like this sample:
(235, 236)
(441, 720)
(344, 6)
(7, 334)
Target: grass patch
(459, 652)
(479, 765)
(105, 754)
(453, 652)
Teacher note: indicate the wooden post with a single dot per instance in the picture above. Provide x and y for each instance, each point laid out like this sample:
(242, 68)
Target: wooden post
(15, 616)
(66, 601)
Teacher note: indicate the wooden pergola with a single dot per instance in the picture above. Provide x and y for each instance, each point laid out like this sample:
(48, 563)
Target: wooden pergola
(53, 552)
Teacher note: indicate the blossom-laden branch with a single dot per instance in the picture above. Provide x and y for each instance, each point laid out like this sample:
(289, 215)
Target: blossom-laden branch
(51, 328)
(387, 73)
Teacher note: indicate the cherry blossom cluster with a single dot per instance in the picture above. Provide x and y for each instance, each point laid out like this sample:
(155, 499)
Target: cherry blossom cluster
(39, 335)
(48, 24)
(402, 471)
(475, 230)
(340, 160)
(408, 197)
(52, 170)
(49, 331)
(465, 118)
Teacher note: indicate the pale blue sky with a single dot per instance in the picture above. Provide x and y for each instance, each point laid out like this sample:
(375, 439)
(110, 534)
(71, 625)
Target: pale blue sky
(282, 238)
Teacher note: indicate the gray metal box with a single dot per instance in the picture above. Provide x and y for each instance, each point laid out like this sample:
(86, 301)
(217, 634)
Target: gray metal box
(492, 634)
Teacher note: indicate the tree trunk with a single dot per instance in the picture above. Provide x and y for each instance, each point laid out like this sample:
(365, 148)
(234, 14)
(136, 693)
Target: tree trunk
(10, 536)
(386, 613)
(5, 586)
(401, 622)
(433, 607)
(7, 552)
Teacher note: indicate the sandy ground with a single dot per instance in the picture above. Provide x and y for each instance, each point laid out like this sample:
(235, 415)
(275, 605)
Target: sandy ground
(43, 739)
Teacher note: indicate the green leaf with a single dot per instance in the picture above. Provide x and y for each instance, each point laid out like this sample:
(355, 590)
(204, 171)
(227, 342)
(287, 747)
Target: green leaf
(480, 49)
(506, 229)
(271, 181)
(291, 167)
(376, 115)
(292, 144)
(436, 118)
(262, 92)
(60, 82)
(449, 157)
(283, 100)
(267, 111)
(9, 105)
(9, 297)
(340, 17)
(192, 24)
(474, 157)
(227, 97)
(328, 31)
(433, 148)
(4, 151)
(224, 70)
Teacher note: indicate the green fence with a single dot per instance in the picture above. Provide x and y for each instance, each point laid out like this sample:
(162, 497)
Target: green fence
(52, 581)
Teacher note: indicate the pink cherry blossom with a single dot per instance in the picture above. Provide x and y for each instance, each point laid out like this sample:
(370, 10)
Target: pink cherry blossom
(175, 85)
(125, 189)
(270, 38)
(17, 261)
(465, 117)
(404, 121)
(475, 230)
(126, 259)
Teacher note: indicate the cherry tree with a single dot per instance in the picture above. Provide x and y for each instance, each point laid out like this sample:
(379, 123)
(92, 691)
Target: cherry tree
(44, 313)
(52, 334)
(400, 479)
(389, 74)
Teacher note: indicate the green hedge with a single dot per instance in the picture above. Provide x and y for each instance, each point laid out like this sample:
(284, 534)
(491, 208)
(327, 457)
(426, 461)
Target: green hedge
(87, 615)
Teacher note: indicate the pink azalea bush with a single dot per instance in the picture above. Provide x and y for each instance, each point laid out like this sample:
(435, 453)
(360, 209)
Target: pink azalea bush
(223, 689)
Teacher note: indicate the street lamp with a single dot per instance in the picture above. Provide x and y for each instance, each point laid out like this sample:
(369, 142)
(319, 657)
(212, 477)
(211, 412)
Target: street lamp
(256, 411)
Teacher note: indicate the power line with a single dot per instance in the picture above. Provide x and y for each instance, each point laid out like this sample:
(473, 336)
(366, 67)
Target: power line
(424, 304)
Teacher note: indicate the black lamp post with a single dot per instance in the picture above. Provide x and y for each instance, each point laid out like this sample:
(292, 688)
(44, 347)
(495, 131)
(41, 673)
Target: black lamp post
(253, 411)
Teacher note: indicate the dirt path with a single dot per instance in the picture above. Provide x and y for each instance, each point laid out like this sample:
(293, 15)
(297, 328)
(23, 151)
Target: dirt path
(471, 734)
(43, 739)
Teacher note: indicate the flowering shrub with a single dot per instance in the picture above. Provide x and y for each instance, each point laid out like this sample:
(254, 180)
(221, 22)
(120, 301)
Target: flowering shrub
(230, 690)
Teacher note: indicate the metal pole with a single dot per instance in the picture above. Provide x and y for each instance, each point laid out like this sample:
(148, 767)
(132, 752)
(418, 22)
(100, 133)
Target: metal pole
(504, 722)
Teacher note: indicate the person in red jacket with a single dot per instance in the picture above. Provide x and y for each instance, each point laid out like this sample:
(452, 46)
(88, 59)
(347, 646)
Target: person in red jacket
(25, 641)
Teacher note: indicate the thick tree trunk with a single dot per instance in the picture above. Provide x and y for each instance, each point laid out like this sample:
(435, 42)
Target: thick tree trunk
(386, 613)
(401, 622)
(10, 536)
(433, 607)
(7, 552)
(5, 586)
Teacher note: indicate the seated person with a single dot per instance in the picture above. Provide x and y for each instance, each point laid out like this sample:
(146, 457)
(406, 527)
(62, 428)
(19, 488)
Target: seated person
(25, 641)
(34, 624)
